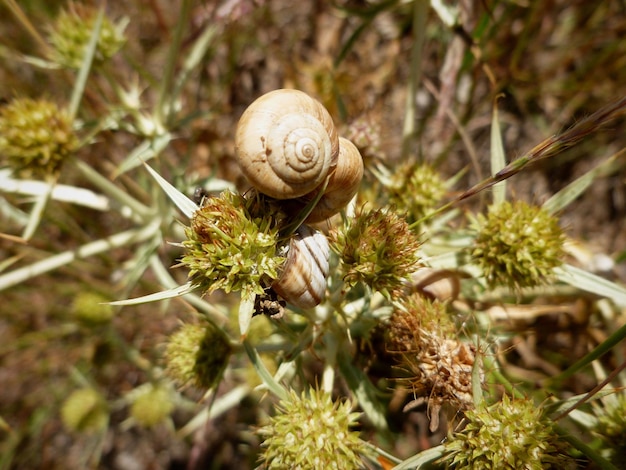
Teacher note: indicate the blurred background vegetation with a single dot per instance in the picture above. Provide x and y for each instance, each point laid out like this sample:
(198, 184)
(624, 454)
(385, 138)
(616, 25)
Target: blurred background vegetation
(547, 64)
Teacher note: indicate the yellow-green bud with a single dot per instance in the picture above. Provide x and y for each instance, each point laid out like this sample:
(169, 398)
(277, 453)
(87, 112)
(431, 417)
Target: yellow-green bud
(418, 191)
(517, 245)
(312, 432)
(72, 31)
(85, 411)
(91, 309)
(36, 137)
(152, 406)
(376, 248)
(231, 245)
(197, 354)
(511, 434)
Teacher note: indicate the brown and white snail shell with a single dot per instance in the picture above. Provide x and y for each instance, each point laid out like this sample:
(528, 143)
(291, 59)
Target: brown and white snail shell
(343, 184)
(302, 281)
(286, 144)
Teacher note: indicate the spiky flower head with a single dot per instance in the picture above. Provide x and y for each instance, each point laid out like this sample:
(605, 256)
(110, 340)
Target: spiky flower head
(510, 434)
(611, 425)
(418, 191)
(36, 137)
(438, 367)
(197, 354)
(72, 31)
(517, 245)
(310, 431)
(85, 411)
(377, 248)
(232, 245)
(152, 406)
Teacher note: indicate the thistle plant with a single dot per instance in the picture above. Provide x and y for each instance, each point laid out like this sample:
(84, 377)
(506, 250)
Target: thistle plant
(438, 367)
(152, 405)
(72, 30)
(85, 411)
(378, 249)
(310, 431)
(417, 190)
(232, 245)
(197, 354)
(510, 434)
(517, 245)
(36, 137)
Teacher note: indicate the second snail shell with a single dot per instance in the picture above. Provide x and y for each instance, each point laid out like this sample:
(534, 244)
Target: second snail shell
(286, 144)
(302, 281)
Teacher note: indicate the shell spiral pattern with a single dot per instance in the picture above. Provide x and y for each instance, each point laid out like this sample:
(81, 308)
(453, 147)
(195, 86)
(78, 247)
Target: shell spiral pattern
(302, 281)
(286, 144)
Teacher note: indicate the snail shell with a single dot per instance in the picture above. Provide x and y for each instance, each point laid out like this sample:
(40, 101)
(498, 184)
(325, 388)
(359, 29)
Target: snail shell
(343, 184)
(302, 281)
(286, 144)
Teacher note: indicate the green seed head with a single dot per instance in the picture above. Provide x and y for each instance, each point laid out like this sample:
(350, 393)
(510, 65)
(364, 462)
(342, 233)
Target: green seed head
(517, 245)
(418, 191)
(152, 406)
(36, 137)
(312, 432)
(85, 411)
(231, 244)
(378, 249)
(197, 354)
(511, 434)
(611, 426)
(72, 31)
(90, 308)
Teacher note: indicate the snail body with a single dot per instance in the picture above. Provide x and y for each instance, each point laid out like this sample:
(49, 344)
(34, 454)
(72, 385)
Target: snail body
(286, 144)
(302, 281)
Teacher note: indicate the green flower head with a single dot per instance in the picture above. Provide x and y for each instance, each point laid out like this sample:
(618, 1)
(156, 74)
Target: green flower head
(197, 354)
(378, 249)
(311, 432)
(72, 31)
(85, 411)
(511, 434)
(517, 245)
(419, 191)
(152, 406)
(36, 137)
(232, 245)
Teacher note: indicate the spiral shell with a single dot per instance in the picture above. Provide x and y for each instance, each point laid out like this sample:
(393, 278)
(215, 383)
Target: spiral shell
(302, 281)
(286, 144)
(343, 184)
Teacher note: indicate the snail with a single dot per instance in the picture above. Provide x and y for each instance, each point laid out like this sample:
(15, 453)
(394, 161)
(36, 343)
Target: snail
(343, 184)
(287, 146)
(302, 281)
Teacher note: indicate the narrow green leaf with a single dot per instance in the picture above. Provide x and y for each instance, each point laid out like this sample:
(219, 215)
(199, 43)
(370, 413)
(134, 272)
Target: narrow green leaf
(186, 205)
(498, 160)
(83, 73)
(157, 296)
(37, 211)
(264, 374)
(364, 391)
(569, 193)
(591, 283)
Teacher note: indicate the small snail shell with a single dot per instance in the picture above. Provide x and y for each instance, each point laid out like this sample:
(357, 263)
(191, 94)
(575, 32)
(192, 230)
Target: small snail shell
(343, 184)
(302, 281)
(286, 144)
